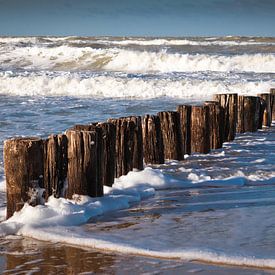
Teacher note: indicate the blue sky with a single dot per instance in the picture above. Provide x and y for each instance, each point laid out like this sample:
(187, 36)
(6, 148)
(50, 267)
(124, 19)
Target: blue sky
(137, 18)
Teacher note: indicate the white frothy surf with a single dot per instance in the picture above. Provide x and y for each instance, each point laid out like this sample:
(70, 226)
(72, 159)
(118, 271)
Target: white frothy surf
(131, 61)
(125, 41)
(181, 42)
(115, 86)
(126, 190)
(202, 255)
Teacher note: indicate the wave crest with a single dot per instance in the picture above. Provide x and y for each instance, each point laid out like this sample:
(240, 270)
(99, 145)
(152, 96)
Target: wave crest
(134, 61)
(124, 87)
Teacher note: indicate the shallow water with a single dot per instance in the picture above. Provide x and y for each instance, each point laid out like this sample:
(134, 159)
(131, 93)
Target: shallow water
(28, 256)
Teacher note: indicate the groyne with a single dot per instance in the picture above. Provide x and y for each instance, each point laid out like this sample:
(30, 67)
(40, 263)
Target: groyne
(86, 157)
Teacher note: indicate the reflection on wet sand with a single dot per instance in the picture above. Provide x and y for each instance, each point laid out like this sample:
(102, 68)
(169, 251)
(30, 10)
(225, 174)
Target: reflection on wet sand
(28, 256)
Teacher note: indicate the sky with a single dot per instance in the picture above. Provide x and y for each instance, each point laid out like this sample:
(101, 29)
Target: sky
(137, 18)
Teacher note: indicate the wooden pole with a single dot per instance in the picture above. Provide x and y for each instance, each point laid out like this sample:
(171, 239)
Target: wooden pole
(230, 104)
(107, 153)
(129, 145)
(272, 101)
(152, 140)
(171, 134)
(23, 158)
(267, 115)
(84, 171)
(185, 125)
(240, 123)
(138, 142)
(248, 113)
(261, 113)
(200, 137)
(55, 165)
(216, 123)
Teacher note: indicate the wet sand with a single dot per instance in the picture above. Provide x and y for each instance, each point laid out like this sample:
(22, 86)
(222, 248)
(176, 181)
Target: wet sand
(29, 256)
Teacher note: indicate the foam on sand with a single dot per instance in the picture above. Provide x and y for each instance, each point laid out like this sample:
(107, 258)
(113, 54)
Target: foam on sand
(126, 190)
(76, 237)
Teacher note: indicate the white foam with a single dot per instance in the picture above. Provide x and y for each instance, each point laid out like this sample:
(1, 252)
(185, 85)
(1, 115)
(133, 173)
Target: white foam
(126, 190)
(180, 42)
(2, 185)
(123, 87)
(116, 59)
(72, 237)
(210, 41)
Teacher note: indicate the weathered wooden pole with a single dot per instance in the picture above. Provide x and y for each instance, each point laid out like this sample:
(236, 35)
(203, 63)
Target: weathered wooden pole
(55, 165)
(84, 170)
(107, 152)
(230, 104)
(129, 145)
(248, 113)
(153, 148)
(138, 143)
(261, 113)
(267, 115)
(200, 126)
(171, 134)
(185, 126)
(23, 159)
(216, 124)
(272, 101)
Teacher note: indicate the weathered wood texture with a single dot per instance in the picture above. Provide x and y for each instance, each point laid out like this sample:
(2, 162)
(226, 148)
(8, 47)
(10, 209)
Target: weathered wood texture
(84, 163)
(185, 126)
(23, 158)
(153, 148)
(129, 145)
(216, 124)
(108, 150)
(200, 137)
(272, 101)
(138, 142)
(171, 134)
(55, 165)
(261, 113)
(267, 115)
(230, 104)
(248, 113)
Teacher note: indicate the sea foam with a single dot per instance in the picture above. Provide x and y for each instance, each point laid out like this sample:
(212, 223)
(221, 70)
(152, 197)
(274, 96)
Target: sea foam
(129, 60)
(126, 190)
(118, 86)
(199, 41)
(73, 237)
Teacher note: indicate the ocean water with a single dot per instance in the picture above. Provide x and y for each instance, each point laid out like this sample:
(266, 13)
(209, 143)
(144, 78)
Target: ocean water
(216, 208)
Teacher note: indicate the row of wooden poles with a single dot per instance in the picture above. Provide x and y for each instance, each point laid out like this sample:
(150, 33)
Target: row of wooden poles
(86, 157)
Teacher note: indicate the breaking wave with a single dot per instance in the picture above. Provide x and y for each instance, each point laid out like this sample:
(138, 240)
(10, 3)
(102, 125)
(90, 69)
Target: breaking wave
(120, 86)
(129, 60)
